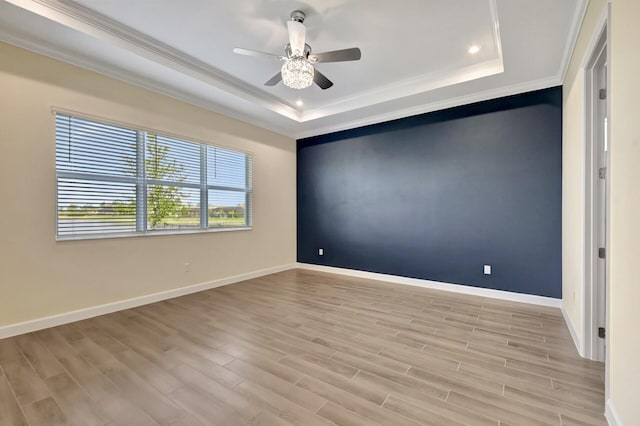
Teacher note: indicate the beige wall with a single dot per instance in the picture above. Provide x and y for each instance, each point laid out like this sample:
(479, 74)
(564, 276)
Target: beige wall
(573, 147)
(624, 314)
(41, 277)
(623, 356)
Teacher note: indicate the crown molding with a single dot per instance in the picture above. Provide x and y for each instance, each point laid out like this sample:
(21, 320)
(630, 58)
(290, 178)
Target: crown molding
(77, 17)
(418, 84)
(405, 88)
(131, 78)
(434, 106)
(89, 22)
(574, 31)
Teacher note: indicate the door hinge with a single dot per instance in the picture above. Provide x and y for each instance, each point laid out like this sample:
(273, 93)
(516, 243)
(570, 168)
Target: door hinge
(601, 332)
(602, 94)
(602, 252)
(602, 172)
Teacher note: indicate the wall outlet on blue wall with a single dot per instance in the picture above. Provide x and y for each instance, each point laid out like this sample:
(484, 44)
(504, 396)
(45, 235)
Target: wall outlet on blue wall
(487, 269)
(457, 189)
(320, 252)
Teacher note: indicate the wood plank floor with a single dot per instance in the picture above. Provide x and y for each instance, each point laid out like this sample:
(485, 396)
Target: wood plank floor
(305, 348)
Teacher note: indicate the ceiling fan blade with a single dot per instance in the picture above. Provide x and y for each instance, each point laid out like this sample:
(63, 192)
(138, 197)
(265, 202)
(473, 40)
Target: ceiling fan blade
(297, 36)
(352, 54)
(256, 53)
(321, 80)
(274, 80)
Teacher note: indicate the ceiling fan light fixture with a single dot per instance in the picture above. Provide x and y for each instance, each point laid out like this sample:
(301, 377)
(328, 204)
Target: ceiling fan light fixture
(297, 69)
(297, 72)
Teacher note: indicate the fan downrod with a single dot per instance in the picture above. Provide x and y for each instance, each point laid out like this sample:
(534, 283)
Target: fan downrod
(298, 16)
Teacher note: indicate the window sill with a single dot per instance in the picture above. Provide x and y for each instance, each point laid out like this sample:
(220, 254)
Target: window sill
(149, 234)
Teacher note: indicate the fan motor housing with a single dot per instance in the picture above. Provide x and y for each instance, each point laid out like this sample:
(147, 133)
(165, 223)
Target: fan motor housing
(289, 53)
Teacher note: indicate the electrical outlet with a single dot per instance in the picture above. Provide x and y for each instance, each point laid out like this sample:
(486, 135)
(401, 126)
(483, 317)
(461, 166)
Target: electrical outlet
(320, 252)
(487, 269)
(187, 267)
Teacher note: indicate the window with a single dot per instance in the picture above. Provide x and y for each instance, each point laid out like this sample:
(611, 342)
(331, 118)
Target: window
(113, 180)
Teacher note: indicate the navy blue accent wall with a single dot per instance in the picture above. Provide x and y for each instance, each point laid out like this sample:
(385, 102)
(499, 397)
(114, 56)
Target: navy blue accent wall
(439, 195)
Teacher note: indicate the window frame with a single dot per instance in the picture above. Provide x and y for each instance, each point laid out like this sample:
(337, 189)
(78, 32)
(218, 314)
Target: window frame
(142, 183)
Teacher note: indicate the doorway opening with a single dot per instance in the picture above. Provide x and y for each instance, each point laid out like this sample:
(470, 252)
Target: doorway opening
(596, 200)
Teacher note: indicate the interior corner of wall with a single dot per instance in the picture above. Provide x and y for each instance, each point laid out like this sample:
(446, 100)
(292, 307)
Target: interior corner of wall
(577, 337)
(611, 414)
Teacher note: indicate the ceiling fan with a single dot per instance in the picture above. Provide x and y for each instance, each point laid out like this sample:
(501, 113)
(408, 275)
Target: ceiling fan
(298, 71)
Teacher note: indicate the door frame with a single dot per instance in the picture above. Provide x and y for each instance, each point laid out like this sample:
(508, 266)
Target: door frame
(592, 304)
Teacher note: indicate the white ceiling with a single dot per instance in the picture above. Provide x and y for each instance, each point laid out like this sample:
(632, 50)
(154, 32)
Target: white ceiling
(414, 53)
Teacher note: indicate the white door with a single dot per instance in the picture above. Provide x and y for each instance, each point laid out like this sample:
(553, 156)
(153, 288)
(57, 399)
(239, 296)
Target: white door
(601, 152)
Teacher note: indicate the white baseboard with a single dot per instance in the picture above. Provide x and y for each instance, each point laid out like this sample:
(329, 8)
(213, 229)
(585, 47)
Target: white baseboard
(611, 414)
(68, 317)
(577, 340)
(94, 311)
(436, 285)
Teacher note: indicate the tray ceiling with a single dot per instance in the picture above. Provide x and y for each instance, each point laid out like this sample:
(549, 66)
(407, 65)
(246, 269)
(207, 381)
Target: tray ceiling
(415, 58)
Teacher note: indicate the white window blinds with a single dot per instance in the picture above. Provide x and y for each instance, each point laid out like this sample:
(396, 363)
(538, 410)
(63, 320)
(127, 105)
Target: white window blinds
(114, 180)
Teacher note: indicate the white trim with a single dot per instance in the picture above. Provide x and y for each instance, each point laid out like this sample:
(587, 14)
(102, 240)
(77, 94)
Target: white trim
(87, 21)
(595, 38)
(589, 214)
(607, 365)
(94, 24)
(490, 94)
(611, 414)
(80, 314)
(404, 88)
(437, 285)
(90, 22)
(131, 78)
(419, 84)
(574, 31)
(577, 341)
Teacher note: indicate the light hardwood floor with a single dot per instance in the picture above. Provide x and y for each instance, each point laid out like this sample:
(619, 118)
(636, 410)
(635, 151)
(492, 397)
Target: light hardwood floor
(305, 348)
